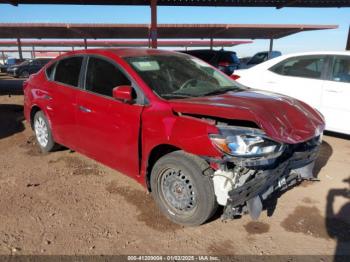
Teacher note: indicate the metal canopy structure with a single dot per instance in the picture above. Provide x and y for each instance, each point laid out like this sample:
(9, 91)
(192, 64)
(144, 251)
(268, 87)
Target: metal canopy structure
(153, 32)
(244, 3)
(139, 31)
(108, 43)
(114, 43)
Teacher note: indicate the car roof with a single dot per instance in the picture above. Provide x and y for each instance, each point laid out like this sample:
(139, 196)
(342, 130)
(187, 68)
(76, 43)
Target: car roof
(318, 53)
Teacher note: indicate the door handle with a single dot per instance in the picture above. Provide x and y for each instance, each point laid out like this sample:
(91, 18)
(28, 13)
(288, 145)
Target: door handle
(84, 109)
(333, 91)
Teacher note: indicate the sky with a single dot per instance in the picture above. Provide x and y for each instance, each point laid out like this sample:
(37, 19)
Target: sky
(306, 41)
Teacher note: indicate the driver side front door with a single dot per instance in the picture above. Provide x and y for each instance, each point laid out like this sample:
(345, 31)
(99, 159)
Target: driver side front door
(109, 129)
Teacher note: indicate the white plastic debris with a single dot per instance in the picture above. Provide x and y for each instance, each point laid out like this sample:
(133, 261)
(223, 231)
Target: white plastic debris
(223, 183)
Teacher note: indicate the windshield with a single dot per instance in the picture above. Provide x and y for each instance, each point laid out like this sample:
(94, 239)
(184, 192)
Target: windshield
(181, 76)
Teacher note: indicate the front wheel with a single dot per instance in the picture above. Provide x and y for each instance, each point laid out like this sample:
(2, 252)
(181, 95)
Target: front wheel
(183, 193)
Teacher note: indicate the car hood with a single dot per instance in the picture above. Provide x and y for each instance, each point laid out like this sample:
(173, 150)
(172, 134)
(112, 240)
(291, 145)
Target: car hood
(282, 118)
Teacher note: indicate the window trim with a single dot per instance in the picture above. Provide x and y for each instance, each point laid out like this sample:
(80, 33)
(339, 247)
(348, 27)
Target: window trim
(323, 70)
(141, 98)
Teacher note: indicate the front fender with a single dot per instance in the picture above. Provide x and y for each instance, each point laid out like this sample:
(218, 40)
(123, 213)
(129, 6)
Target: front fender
(161, 126)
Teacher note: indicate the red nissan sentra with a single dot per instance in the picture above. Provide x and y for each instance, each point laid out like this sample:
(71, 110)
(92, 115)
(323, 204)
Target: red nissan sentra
(191, 135)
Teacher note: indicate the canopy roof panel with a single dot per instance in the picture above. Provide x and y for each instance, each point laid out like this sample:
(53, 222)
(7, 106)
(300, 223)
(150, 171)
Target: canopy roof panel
(113, 43)
(141, 31)
(246, 3)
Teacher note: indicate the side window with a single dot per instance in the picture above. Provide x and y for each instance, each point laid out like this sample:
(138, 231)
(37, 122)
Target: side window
(68, 70)
(258, 58)
(102, 76)
(49, 71)
(308, 67)
(341, 69)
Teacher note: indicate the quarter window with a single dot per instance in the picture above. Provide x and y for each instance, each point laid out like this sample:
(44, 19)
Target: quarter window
(308, 67)
(68, 71)
(102, 76)
(341, 69)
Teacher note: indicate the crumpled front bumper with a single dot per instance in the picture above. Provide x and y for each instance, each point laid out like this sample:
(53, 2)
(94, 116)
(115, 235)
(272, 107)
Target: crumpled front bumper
(297, 167)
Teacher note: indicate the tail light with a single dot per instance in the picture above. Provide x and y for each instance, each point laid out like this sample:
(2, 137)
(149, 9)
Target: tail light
(234, 77)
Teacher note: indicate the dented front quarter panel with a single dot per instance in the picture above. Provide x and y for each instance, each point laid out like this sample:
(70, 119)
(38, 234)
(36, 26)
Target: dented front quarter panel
(162, 126)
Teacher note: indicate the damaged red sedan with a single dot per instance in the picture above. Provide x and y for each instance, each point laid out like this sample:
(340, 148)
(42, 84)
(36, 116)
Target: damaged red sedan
(191, 135)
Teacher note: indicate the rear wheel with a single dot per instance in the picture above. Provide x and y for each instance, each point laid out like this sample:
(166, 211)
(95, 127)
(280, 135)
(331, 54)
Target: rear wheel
(183, 193)
(43, 133)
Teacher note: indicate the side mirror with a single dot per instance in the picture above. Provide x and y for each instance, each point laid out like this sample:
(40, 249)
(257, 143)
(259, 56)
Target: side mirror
(123, 93)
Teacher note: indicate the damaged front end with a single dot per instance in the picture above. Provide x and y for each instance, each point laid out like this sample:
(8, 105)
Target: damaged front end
(254, 166)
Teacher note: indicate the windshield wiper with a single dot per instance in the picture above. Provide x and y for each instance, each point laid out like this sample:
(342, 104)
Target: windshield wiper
(174, 95)
(221, 91)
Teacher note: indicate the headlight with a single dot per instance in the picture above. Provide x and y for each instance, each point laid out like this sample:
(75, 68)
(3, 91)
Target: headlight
(245, 142)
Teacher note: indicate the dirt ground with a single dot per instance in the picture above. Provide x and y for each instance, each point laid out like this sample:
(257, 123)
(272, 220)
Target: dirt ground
(65, 203)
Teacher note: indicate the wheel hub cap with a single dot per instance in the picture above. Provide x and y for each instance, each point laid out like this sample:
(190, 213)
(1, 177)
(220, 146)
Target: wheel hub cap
(178, 190)
(41, 131)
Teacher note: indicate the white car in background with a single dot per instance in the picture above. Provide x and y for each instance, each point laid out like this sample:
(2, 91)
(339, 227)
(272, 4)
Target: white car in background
(321, 79)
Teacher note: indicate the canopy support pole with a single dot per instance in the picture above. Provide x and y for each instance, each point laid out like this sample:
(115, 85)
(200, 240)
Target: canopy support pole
(33, 52)
(348, 43)
(270, 48)
(72, 48)
(19, 48)
(153, 33)
(211, 43)
(85, 43)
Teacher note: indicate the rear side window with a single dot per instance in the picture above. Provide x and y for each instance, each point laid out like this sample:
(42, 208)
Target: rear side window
(68, 71)
(308, 67)
(341, 69)
(102, 76)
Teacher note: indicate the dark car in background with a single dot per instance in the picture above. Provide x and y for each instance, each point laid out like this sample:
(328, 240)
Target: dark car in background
(226, 61)
(28, 67)
(9, 63)
(259, 58)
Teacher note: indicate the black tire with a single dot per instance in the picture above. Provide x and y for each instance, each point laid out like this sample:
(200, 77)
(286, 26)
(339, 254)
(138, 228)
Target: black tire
(202, 203)
(51, 144)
